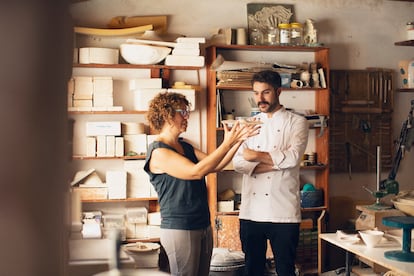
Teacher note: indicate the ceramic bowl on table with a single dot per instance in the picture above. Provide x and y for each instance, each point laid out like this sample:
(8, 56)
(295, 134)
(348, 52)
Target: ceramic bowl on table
(404, 206)
(371, 238)
(143, 54)
(145, 254)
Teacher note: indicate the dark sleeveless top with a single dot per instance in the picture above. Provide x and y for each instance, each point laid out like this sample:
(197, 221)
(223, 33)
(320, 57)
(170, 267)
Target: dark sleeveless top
(183, 203)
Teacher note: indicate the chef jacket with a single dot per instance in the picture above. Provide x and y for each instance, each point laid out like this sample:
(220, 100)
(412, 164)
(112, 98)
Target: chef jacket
(274, 196)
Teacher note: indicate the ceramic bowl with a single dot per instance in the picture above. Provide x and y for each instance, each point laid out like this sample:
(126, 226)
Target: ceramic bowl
(371, 238)
(143, 54)
(145, 254)
(406, 208)
(347, 238)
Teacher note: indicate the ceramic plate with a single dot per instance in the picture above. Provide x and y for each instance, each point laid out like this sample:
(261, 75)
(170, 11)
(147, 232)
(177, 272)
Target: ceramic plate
(232, 122)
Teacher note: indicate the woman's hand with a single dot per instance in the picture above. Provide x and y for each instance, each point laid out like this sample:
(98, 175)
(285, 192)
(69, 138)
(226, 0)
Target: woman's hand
(239, 132)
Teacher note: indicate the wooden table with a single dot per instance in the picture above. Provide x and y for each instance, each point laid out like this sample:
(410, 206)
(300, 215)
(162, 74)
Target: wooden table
(375, 255)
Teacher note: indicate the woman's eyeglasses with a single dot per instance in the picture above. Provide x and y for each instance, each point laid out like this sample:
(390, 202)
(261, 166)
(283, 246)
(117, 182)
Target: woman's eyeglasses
(183, 112)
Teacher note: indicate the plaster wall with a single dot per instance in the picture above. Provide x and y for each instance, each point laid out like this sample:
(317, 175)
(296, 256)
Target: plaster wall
(360, 34)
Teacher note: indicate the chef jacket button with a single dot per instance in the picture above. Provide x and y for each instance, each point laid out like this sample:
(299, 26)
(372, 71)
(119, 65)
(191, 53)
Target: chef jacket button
(268, 177)
(266, 194)
(258, 147)
(278, 130)
(254, 193)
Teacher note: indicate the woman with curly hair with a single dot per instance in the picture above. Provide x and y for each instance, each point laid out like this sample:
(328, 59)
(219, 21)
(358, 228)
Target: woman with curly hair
(177, 171)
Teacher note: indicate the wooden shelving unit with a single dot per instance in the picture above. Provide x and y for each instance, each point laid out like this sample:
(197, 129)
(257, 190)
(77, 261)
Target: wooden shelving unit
(226, 223)
(82, 162)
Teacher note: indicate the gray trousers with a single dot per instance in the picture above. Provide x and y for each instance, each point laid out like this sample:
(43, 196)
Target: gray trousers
(189, 251)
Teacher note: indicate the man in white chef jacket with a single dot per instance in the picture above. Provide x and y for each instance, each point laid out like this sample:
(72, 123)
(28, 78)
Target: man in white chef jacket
(269, 162)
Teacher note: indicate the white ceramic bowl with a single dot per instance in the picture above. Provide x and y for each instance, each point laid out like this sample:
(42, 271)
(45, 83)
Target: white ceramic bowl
(143, 54)
(145, 254)
(404, 207)
(371, 238)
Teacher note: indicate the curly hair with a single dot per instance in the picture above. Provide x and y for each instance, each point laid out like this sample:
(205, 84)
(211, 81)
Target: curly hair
(162, 108)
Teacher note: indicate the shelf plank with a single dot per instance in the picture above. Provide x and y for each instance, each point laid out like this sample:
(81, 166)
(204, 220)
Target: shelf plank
(127, 112)
(269, 48)
(136, 66)
(405, 43)
(120, 200)
(135, 157)
(143, 240)
(406, 90)
(311, 209)
(249, 88)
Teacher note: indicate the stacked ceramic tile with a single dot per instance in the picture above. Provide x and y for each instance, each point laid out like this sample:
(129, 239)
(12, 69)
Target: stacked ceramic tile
(91, 93)
(136, 222)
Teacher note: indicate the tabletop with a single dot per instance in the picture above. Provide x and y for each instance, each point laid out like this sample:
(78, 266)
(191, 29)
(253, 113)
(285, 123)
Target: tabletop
(375, 255)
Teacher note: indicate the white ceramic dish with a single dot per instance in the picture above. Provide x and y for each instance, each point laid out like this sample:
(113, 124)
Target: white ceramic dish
(371, 238)
(230, 123)
(406, 200)
(143, 54)
(406, 208)
(347, 238)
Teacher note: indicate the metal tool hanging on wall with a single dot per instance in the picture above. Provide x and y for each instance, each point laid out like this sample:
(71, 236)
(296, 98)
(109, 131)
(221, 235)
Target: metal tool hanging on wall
(405, 141)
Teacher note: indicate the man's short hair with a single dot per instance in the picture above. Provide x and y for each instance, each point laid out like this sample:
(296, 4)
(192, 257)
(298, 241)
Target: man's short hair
(268, 76)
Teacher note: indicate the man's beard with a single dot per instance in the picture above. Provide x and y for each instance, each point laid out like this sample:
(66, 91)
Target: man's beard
(269, 108)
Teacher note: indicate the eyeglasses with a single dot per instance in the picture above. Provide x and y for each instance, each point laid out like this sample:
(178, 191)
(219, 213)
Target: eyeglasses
(183, 112)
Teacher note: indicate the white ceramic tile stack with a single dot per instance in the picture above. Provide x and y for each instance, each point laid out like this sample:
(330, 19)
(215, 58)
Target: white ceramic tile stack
(186, 52)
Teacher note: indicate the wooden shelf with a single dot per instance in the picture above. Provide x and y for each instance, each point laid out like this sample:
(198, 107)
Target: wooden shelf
(143, 240)
(136, 66)
(304, 210)
(316, 167)
(126, 112)
(270, 48)
(249, 88)
(135, 157)
(407, 90)
(120, 200)
(226, 223)
(405, 43)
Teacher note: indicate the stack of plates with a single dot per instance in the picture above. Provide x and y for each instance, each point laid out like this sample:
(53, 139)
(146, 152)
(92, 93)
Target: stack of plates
(224, 259)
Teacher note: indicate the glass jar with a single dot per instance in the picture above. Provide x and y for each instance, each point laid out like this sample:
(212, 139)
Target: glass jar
(256, 37)
(284, 31)
(296, 34)
(272, 36)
